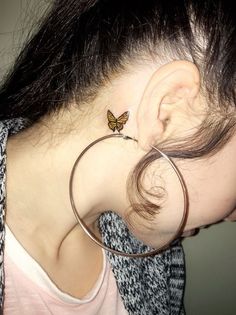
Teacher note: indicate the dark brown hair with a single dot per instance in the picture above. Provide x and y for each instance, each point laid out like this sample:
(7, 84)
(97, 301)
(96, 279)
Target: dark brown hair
(80, 44)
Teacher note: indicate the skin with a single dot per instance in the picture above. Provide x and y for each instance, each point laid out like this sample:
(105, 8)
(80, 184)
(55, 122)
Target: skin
(164, 102)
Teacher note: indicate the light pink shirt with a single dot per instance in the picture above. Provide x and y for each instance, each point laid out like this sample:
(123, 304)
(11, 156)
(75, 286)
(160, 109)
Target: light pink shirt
(29, 290)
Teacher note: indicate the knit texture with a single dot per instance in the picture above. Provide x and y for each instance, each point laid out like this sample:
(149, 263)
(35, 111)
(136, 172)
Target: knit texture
(151, 285)
(148, 286)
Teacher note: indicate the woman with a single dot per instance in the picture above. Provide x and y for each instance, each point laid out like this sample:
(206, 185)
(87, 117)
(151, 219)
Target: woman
(158, 73)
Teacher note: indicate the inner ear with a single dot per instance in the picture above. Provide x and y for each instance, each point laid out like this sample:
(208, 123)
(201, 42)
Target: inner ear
(175, 94)
(172, 84)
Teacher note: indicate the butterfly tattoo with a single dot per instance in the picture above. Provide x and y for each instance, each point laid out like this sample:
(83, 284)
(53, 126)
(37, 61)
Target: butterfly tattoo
(117, 123)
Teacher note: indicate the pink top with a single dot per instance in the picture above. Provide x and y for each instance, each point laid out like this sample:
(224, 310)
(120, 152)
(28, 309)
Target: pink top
(29, 290)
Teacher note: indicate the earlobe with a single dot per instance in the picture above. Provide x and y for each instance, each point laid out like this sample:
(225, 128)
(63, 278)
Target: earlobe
(174, 82)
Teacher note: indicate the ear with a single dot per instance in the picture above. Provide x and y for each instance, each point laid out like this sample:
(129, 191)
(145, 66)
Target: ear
(170, 83)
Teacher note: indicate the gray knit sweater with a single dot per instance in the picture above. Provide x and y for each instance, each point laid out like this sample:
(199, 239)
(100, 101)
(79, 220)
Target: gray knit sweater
(148, 286)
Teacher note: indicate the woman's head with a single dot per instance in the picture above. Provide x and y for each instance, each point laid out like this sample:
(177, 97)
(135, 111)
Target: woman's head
(172, 65)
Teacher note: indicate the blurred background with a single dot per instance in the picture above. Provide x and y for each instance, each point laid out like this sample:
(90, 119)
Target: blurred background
(211, 255)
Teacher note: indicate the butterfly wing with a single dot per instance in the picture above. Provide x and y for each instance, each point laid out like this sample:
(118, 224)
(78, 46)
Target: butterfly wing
(112, 126)
(111, 120)
(119, 126)
(110, 116)
(121, 120)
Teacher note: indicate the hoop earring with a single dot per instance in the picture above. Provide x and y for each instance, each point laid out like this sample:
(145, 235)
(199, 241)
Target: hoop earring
(94, 238)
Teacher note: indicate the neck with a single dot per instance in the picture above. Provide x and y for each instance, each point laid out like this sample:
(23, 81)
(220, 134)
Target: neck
(39, 164)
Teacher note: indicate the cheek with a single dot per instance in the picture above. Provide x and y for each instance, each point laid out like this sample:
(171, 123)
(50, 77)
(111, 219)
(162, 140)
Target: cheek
(232, 216)
(209, 210)
(212, 195)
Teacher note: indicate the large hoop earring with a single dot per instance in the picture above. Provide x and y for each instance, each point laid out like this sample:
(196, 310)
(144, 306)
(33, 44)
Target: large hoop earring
(94, 238)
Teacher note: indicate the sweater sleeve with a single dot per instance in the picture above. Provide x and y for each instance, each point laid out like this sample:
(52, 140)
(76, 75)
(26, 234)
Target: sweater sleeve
(7, 127)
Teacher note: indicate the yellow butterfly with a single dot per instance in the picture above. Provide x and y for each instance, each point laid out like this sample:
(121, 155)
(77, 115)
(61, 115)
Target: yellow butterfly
(117, 123)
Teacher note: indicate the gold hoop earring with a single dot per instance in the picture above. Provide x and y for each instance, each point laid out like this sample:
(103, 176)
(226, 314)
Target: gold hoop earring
(94, 238)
